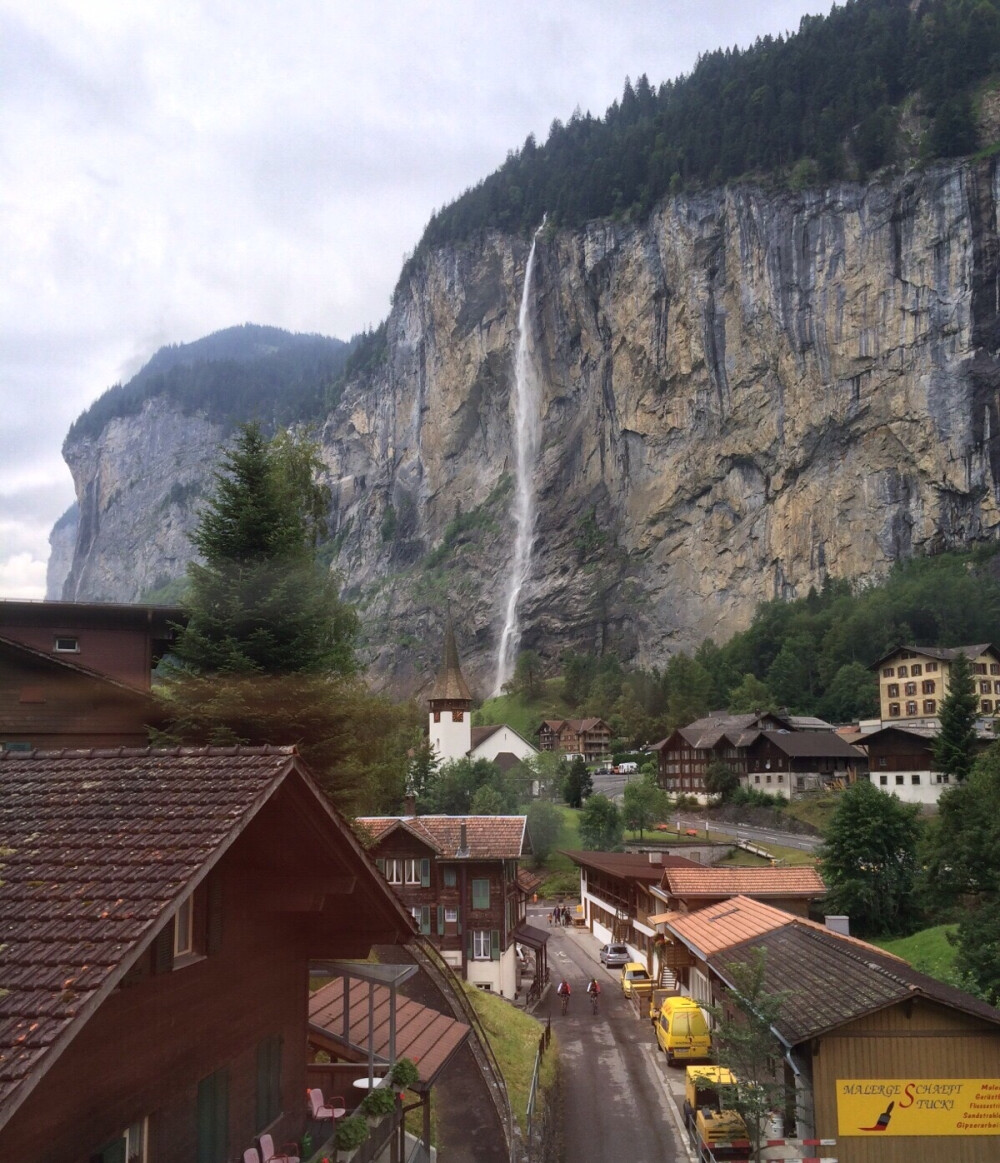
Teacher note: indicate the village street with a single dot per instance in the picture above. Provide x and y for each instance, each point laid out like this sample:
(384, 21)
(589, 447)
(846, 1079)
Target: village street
(614, 1081)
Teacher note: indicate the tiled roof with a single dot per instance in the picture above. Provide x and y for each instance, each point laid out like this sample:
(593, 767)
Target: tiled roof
(943, 653)
(527, 881)
(829, 980)
(423, 1035)
(629, 865)
(96, 849)
(487, 837)
(481, 734)
(756, 882)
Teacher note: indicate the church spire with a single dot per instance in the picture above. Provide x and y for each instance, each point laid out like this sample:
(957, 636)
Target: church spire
(450, 685)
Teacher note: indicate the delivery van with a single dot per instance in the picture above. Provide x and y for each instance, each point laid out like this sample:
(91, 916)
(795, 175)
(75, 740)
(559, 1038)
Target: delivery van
(682, 1031)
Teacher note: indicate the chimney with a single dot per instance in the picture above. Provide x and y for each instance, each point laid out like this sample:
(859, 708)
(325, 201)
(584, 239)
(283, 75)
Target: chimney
(463, 841)
(656, 858)
(841, 925)
(410, 805)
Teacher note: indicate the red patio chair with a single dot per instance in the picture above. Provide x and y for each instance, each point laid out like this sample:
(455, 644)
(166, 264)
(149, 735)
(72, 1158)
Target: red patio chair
(268, 1153)
(335, 1109)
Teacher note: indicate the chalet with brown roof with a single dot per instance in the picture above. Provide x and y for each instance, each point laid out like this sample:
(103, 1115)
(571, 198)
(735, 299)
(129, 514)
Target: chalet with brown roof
(685, 755)
(856, 1027)
(616, 895)
(158, 913)
(590, 738)
(791, 889)
(788, 762)
(901, 761)
(458, 876)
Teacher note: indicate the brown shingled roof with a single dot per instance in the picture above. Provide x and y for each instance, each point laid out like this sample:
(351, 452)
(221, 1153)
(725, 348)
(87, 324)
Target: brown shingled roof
(629, 864)
(802, 881)
(97, 848)
(449, 685)
(829, 980)
(487, 837)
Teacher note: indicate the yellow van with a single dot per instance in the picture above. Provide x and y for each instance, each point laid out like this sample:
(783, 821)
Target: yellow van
(682, 1031)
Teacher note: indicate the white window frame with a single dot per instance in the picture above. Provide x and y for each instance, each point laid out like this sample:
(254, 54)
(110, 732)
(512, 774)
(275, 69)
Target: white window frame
(393, 870)
(184, 927)
(450, 916)
(481, 944)
(411, 870)
(59, 646)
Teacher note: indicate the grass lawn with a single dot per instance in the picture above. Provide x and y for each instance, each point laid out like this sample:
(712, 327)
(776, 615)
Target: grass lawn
(514, 1037)
(928, 950)
(740, 858)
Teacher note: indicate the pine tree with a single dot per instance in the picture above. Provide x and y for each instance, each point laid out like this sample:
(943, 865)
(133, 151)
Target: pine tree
(954, 748)
(260, 601)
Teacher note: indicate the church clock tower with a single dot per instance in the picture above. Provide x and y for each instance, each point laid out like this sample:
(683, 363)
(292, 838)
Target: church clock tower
(450, 706)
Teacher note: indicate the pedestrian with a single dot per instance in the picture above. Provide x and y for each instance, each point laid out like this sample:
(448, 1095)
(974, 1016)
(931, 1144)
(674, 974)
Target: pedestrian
(552, 917)
(566, 915)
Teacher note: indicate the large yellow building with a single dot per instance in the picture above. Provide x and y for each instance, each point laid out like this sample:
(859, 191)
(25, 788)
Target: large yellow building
(912, 681)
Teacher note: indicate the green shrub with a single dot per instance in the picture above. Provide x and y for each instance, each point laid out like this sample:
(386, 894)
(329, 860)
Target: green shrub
(404, 1073)
(351, 1133)
(378, 1103)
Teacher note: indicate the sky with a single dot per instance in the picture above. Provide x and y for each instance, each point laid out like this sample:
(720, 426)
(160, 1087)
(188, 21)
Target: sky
(170, 169)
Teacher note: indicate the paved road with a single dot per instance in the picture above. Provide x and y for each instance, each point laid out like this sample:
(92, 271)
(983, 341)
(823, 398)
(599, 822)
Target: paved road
(616, 1086)
(753, 833)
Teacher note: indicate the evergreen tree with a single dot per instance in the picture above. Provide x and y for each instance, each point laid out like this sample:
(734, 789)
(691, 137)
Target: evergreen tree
(260, 602)
(578, 783)
(954, 748)
(544, 822)
(869, 860)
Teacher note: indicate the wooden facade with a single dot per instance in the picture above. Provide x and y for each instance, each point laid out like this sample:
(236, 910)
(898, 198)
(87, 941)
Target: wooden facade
(198, 1053)
(590, 738)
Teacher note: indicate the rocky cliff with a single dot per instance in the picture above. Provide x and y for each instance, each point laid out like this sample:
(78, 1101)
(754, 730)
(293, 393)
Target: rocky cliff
(745, 393)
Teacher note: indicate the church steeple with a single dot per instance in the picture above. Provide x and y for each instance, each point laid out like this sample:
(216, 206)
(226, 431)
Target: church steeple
(450, 701)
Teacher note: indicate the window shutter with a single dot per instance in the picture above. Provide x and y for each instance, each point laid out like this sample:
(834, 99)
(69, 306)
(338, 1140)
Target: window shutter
(494, 944)
(425, 919)
(163, 949)
(470, 951)
(441, 920)
(213, 915)
(213, 1118)
(425, 873)
(380, 865)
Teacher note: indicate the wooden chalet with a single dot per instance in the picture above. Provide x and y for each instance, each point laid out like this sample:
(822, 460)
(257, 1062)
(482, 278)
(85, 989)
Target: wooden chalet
(458, 876)
(616, 894)
(590, 738)
(158, 913)
(785, 762)
(684, 756)
(858, 1030)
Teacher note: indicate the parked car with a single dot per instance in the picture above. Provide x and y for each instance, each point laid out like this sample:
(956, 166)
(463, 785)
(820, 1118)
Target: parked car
(634, 976)
(614, 956)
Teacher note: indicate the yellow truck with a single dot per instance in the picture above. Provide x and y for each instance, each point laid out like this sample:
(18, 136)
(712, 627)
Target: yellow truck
(713, 1128)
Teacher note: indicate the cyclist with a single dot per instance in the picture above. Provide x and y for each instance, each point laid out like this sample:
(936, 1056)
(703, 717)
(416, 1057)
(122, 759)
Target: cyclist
(564, 992)
(594, 989)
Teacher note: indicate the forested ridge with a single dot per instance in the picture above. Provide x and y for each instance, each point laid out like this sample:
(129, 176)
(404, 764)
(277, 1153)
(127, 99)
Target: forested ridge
(820, 104)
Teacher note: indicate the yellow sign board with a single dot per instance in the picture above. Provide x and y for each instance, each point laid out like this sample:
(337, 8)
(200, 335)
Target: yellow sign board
(868, 1107)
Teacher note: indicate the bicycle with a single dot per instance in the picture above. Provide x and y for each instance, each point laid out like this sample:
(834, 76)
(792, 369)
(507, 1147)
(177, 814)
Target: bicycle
(594, 995)
(563, 1003)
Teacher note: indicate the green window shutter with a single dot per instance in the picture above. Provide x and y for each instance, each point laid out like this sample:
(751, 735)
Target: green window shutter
(425, 919)
(425, 873)
(494, 944)
(213, 916)
(114, 1152)
(440, 911)
(213, 1118)
(163, 949)
(480, 893)
(380, 865)
(468, 945)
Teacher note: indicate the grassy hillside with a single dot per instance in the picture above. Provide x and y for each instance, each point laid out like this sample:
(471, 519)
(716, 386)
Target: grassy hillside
(523, 714)
(929, 950)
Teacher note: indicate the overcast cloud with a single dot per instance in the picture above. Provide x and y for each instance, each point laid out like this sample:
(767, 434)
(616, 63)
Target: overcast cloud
(168, 169)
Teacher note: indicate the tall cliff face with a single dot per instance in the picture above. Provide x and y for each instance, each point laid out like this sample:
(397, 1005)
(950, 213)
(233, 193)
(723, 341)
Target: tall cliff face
(740, 396)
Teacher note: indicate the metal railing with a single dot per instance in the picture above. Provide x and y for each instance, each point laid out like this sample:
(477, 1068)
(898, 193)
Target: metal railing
(430, 959)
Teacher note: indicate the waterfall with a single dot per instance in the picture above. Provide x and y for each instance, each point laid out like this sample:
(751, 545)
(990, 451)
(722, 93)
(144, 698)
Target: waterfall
(527, 430)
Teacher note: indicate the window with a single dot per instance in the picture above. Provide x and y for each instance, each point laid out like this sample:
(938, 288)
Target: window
(893, 691)
(756, 779)
(915, 779)
(422, 915)
(930, 706)
(931, 667)
(411, 870)
(882, 761)
(883, 780)
(889, 672)
(987, 705)
(911, 708)
(128, 1147)
(449, 876)
(916, 670)
(979, 668)
(927, 687)
(900, 779)
(902, 672)
(213, 1118)
(437, 716)
(911, 688)
(451, 916)
(985, 688)
(995, 668)
(767, 779)
(894, 710)
(480, 893)
(184, 928)
(268, 1080)
(480, 944)
(394, 870)
(996, 688)
(66, 645)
